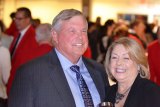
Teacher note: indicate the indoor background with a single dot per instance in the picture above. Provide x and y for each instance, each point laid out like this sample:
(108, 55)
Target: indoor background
(45, 10)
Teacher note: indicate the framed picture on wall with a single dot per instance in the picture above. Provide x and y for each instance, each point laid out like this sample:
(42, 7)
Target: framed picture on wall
(132, 17)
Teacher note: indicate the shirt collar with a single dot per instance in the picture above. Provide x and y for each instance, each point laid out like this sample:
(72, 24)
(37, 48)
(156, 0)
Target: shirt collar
(24, 30)
(67, 63)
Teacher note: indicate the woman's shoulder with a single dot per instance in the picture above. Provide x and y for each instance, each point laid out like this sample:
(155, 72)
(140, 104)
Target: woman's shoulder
(4, 50)
(151, 86)
(151, 93)
(148, 83)
(147, 87)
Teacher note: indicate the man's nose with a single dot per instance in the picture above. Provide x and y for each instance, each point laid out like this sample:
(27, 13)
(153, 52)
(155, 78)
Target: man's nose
(79, 34)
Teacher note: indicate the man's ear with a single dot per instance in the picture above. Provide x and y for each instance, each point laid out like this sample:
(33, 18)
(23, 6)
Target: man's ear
(54, 36)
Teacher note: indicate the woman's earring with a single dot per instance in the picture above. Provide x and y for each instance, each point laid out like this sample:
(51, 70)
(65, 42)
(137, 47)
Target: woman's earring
(138, 68)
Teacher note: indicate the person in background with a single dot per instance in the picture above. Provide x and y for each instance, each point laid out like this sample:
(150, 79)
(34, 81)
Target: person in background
(44, 40)
(36, 22)
(5, 67)
(63, 77)
(126, 63)
(12, 29)
(2, 25)
(138, 29)
(122, 31)
(5, 39)
(154, 59)
(24, 42)
(155, 24)
(98, 22)
(88, 53)
(107, 32)
(43, 34)
(93, 39)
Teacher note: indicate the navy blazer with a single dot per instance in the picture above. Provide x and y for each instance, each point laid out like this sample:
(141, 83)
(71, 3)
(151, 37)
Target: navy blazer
(143, 93)
(42, 83)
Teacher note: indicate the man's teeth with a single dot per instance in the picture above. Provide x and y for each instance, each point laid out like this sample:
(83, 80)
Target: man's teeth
(79, 44)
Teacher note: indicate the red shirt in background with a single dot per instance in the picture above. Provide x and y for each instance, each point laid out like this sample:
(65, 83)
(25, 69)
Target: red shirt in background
(154, 61)
(88, 53)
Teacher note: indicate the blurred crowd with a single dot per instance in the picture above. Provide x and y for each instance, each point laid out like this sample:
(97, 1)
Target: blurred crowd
(146, 34)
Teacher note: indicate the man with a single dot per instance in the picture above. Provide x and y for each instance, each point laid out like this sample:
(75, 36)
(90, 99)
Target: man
(54, 80)
(154, 59)
(24, 42)
(44, 40)
(12, 27)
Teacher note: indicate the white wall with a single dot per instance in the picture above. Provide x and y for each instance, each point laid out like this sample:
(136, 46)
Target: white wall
(110, 8)
(47, 9)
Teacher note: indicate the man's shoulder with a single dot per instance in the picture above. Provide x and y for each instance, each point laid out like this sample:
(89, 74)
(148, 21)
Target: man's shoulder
(39, 62)
(30, 32)
(92, 63)
(88, 60)
(153, 47)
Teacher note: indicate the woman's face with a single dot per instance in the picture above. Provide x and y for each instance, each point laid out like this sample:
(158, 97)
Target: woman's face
(140, 27)
(121, 66)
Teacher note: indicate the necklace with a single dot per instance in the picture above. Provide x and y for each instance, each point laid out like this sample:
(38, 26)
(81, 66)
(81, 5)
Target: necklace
(119, 96)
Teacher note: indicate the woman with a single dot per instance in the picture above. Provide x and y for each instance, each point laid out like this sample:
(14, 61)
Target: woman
(126, 63)
(5, 67)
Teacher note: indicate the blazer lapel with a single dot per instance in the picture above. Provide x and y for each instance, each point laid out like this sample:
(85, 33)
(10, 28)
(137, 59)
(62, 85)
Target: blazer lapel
(25, 39)
(96, 77)
(59, 80)
(13, 42)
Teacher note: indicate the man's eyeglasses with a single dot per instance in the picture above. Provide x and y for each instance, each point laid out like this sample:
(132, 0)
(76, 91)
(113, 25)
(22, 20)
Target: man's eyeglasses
(19, 18)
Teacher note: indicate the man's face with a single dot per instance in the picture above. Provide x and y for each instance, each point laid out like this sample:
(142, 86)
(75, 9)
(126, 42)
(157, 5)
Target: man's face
(21, 21)
(72, 40)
